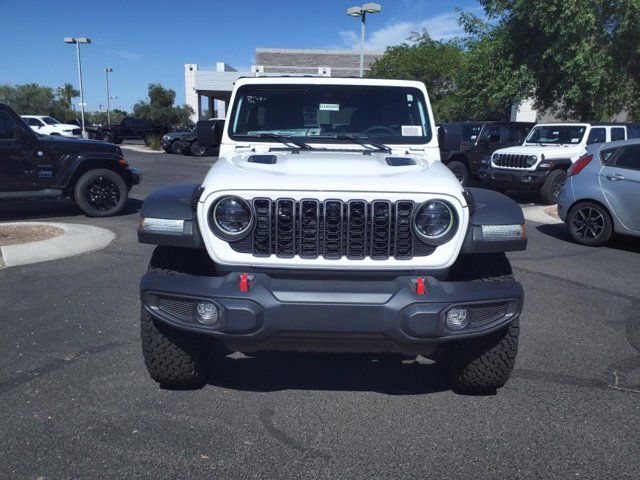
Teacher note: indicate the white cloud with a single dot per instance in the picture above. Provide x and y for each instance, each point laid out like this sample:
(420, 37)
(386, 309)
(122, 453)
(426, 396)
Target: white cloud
(441, 27)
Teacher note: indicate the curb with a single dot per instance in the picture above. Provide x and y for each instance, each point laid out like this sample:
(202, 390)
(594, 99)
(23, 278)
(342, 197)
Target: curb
(75, 240)
(140, 149)
(536, 213)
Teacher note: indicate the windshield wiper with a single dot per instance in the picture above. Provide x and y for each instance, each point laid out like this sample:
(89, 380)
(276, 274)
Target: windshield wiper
(364, 141)
(287, 140)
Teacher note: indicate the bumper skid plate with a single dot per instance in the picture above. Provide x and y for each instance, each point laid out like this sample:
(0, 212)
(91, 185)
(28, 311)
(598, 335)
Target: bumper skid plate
(259, 312)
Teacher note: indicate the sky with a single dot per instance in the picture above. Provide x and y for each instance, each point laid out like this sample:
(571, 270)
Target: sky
(150, 41)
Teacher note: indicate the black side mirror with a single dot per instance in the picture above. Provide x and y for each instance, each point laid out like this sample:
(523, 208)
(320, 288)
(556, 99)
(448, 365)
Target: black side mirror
(21, 135)
(209, 133)
(449, 137)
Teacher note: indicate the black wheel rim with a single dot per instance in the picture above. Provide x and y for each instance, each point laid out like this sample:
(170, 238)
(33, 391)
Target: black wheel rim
(102, 193)
(558, 183)
(175, 148)
(459, 174)
(587, 223)
(199, 149)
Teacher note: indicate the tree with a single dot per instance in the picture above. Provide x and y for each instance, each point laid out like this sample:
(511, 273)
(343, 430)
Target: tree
(159, 108)
(67, 93)
(437, 64)
(579, 54)
(28, 99)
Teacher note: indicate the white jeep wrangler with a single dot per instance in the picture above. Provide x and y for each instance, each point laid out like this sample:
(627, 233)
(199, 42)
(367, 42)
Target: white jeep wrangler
(329, 224)
(542, 161)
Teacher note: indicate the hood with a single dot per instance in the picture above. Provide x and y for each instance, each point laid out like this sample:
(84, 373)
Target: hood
(331, 171)
(555, 151)
(175, 135)
(68, 126)
(78, 145)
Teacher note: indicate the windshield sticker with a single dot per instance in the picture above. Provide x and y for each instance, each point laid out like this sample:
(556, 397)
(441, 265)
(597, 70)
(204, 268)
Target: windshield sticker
(575, 140)
(329, 107)
(411, 131)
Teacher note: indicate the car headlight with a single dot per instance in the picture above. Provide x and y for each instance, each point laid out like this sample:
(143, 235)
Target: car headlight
(532, 160)
(165, 137)
(435, 221)
(231, 218)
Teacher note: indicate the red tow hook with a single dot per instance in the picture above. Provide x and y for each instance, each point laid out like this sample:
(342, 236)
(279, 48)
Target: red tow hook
(420, 287)
(244, 282)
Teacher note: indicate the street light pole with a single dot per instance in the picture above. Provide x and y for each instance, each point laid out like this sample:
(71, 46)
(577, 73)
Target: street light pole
(362, 13)
(78, 41)
(107, 71)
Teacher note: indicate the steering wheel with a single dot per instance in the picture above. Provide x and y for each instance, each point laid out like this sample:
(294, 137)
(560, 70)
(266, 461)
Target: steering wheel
(381, 128)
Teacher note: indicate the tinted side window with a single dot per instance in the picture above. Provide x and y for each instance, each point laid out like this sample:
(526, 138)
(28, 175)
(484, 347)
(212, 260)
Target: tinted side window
(491, 134)
(629, 158)
(6, 126)
(515, 134)
(597, 135)
(617, 133)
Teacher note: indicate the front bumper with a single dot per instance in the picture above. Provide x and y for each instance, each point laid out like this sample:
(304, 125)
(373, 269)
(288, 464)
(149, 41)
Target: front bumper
(512, 179)
(385, 315)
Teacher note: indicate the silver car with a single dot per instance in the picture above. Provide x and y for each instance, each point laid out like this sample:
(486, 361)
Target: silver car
(602, 193)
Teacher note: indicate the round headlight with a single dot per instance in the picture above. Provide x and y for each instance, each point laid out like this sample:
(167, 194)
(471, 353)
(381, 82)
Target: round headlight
(531, 160)
(434, 220)
(232, 217)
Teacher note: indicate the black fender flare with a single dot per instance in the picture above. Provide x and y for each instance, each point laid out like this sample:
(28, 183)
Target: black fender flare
(558, 164)
(76, 165)
(173, 202)
(490, 208)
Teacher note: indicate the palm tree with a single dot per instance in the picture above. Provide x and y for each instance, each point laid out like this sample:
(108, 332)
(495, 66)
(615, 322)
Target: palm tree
(68, 93)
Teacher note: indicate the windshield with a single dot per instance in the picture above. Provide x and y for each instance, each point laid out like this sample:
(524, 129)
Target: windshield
(556, 134)
(327, 112)
(50, 121)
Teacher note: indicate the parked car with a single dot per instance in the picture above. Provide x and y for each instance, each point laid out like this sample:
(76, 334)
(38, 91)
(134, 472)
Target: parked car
(312, 232)
(46, 125)
(92, 129)
(130, 128)
(464, 145)
(190, 145)
(94, 174)
(170, 142)
(541, 163)
(602, 193)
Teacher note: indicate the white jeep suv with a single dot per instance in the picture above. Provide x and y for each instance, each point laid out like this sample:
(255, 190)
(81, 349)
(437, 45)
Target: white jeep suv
(329, 223)
(542, 161)
(50, 126)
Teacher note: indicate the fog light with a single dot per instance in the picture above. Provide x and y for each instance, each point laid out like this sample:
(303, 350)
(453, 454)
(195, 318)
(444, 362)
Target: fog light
(457, 318)
(207, 313)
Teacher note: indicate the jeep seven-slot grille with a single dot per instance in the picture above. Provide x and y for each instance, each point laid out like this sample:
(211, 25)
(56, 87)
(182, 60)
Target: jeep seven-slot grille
(333, 229)
(510, 160)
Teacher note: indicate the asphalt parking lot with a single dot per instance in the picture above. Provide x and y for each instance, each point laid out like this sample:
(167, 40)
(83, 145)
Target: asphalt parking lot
(77, 402)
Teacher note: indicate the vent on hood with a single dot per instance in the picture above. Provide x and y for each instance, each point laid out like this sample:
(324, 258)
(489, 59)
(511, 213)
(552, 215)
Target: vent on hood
(265, 159)
(400, 161)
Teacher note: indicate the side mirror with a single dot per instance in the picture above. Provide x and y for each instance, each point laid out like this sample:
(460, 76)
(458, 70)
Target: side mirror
(21, 135)
(449, 137)
(208, 133)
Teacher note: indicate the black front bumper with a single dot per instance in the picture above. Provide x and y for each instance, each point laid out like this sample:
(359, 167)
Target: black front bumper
(512, 179)
(386, 315)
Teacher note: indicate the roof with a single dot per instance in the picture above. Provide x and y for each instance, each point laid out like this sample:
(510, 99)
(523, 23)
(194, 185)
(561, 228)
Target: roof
(320, 80)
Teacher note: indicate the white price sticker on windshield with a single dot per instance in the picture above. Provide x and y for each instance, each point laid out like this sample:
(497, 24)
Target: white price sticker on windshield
(329, 107)
(411, 131)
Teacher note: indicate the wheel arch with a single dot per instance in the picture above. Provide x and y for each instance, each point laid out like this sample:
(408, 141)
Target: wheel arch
(85, 165)
(457, 157)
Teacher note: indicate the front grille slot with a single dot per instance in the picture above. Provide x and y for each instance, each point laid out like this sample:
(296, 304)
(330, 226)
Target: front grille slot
(333, 229)
(510, 160)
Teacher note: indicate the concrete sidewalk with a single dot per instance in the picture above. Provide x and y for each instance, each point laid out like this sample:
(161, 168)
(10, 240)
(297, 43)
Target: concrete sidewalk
(75, 240)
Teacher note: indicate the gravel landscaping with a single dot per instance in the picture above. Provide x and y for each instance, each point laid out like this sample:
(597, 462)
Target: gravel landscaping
(17, 234)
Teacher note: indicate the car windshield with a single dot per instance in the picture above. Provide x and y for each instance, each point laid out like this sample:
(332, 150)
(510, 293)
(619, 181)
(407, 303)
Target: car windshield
(556, 134)
(324, 113)
(470, 132)
(50, 121)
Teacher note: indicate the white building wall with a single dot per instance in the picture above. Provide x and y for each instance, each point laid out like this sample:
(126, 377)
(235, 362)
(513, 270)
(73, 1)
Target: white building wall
(524, 111)
(191, 96)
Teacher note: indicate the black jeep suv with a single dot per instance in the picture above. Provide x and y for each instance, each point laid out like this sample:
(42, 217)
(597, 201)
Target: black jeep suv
(32, 166)
(464, 145)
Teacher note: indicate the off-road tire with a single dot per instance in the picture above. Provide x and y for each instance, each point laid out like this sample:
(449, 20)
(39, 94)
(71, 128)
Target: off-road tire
(107, 137)
(174, 148)
(548, 192)
(196, 150)
(460, 170)
(483, 364)
(79, 192)
(173, 358)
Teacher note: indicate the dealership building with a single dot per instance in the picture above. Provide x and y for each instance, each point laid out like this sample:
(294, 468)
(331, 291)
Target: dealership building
(210, 90)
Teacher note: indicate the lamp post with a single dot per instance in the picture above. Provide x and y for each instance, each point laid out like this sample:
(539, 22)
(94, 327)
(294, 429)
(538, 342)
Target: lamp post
(78, 41)
(107, 71)
(361, 12)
